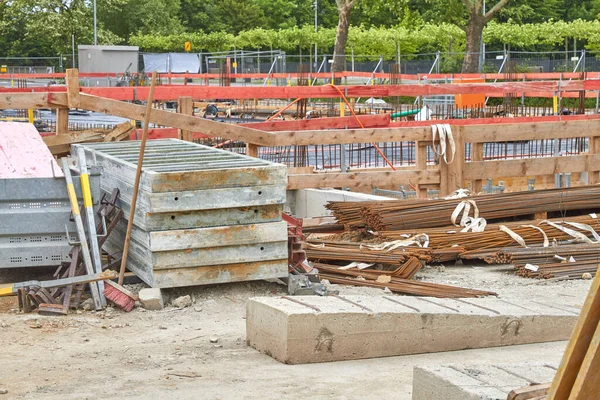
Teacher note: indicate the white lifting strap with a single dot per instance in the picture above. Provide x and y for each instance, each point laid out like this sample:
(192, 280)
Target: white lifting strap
(515, 236)
(546, 241)
(445, 135)
(464, 207)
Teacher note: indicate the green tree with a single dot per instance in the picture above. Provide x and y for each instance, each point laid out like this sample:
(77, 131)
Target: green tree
(127, 17)
(341, 34)
(44, 27)
(477, 20)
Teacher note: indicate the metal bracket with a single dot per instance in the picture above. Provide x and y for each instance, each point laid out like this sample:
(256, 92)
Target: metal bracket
(103, 228)
(74, 243)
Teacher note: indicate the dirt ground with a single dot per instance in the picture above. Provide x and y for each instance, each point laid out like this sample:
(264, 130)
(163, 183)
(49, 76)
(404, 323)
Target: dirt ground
(169, 353)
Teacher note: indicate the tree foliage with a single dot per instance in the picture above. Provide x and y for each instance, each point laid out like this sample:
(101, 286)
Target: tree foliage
(378, 27)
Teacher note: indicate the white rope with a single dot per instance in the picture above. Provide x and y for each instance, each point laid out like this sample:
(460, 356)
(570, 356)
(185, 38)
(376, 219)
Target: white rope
(546, 241)
(516, 237)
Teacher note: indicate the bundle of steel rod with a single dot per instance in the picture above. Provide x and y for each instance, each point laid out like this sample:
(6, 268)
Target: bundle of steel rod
(413, 214)
(405, 271)
(446, 254)
(519, 256)
(326, 251)
(560, 270)
(396, 285)
(496, 238)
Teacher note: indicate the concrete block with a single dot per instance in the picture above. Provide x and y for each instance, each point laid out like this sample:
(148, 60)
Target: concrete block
(477, 382)
(309, 203)
(151, 299)
(312, 329)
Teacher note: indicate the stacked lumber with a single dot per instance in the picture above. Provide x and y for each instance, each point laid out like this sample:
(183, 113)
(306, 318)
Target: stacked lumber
(203, 215)
(415, 214)
(60, 145)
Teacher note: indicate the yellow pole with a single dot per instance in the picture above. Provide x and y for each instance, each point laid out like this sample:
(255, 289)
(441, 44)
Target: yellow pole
(30, 115)
(555, 104)
(342, 108)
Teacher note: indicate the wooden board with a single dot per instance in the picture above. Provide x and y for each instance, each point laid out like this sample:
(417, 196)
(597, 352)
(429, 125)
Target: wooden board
(577, 377)
(362, 180)
(529, 166)
(23, 153)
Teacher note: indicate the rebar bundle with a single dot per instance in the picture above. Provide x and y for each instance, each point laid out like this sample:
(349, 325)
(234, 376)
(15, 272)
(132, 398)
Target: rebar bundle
(326, 251)
(520, 256)
(564, 270)
(395, 284)
(532, 234)
(415, 214)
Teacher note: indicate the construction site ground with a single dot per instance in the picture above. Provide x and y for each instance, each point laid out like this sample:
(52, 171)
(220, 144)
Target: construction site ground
(201, 352)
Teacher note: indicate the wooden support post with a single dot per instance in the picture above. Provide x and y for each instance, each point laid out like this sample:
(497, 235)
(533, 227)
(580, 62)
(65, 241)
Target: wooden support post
(185, 105)
(421, 164)
(592, 167)
(72, 80)
(451, 175)
(252, 150)
(477, 155)
(62, 121)
(578, 375)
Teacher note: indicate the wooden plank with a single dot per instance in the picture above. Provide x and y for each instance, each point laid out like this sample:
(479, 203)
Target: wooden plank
(120, 132)
(368, 121)
(62, 121)
(23, 153)
(185, 105)
(477, 155)
(166, 118)
(574, 361)
(361, 180)
(592, 169)
(532, 131)
(421, 165)
(587, 384)
(529, 392)
(452, 173)
(60, 145)
(252, 150)
(340, 136)
(529, 166)
(72, 80)
(31, 100)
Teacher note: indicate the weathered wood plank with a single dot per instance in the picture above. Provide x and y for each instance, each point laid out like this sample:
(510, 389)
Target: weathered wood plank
(362, 180)
(577, 375)
(339, 136)
(529, 166)
(32, 100)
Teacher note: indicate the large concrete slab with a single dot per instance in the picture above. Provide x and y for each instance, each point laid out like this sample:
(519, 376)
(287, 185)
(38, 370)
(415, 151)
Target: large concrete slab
(310, 329)
(477, 382)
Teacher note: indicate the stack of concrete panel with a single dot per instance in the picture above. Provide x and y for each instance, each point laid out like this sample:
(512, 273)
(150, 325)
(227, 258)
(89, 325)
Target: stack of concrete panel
(203, 215)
